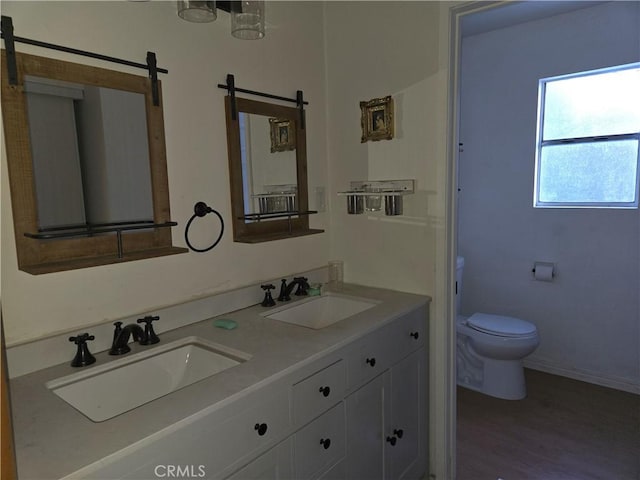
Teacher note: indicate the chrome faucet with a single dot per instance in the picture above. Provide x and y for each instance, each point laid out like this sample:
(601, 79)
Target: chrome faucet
(121, 335)
(285, 290)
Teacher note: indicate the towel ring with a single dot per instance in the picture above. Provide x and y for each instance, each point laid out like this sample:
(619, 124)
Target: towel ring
(200, 209)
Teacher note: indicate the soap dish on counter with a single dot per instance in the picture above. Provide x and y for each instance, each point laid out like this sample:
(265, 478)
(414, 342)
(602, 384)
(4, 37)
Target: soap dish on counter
(366, 196)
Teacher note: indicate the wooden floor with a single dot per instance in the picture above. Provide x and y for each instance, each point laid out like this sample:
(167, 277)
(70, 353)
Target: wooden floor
(563, 430)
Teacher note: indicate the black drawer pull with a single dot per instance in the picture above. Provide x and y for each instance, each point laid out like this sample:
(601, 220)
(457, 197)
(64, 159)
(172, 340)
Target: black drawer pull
(392, 441)
(325, 391)
(398, 433)
(325, 442)
(371, 361)
(415, 335)
(261, 428)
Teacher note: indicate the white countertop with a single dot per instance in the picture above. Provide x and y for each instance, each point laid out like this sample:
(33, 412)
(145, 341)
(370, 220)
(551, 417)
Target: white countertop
(53, 440)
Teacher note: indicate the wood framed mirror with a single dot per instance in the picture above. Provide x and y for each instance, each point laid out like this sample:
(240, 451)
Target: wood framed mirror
(267, 148)
(111, 172)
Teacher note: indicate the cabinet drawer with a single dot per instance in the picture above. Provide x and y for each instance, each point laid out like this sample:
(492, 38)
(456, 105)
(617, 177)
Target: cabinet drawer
(368, 358)
(250, 430)
(320, 445)
(407, 334)
(275, 464)
(216, 442)
(317, 393)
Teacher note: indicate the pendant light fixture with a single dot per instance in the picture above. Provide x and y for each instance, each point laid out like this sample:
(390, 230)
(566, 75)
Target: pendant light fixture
(247, 16)
(197, 11)
(247, 19)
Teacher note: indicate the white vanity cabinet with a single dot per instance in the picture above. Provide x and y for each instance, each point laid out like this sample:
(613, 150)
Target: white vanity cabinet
(356, 411)
(387, 424)
(406, 418)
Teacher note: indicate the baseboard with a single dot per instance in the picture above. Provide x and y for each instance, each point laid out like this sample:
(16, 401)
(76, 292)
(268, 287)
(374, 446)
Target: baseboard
(584, 376)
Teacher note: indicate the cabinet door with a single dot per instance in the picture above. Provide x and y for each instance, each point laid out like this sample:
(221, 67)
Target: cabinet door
(365, 431)
(320, 445)
(406, 421)
(276, 464)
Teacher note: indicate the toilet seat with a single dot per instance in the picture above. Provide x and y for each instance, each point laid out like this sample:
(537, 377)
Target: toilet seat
(500, 325)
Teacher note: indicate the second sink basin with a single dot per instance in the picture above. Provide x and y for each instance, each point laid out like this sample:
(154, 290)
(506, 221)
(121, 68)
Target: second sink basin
(108, 390)
(322, 311)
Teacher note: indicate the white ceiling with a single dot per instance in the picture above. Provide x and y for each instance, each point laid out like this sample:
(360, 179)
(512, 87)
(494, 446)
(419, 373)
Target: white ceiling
(518, 12)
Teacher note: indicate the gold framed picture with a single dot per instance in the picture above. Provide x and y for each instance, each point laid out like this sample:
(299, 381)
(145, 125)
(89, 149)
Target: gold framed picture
(282, 135)
(377, 119)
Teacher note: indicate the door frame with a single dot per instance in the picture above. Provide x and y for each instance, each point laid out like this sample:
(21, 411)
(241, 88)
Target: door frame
(447, 276)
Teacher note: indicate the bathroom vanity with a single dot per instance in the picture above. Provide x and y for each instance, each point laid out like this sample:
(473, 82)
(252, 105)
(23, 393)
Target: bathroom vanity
(348, 400)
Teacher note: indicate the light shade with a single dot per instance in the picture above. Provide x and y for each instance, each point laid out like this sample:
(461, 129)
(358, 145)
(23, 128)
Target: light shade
(247, 20)
(197, 11)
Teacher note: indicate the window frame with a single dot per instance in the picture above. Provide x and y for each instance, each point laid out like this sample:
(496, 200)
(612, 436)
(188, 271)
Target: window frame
(540, 144)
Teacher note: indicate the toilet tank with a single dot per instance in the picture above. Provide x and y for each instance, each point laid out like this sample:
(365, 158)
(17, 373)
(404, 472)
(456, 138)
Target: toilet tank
(459, 269)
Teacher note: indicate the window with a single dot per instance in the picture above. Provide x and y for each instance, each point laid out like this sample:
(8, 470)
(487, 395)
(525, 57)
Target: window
(588, 137)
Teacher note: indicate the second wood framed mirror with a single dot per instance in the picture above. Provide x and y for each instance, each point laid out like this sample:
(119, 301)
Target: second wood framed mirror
(268, 171)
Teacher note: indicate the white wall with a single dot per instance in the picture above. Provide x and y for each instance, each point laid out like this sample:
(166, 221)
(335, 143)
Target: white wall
(375, 49)
(384, 56)
(370, 49)
(588, 318)
(198, 57)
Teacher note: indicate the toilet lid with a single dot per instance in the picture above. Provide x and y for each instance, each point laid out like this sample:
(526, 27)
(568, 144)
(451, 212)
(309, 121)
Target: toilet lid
(501, 325)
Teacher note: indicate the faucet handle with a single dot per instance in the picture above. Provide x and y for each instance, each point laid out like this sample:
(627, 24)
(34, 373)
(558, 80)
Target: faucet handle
(268, 299)
(150, 336)
(83, 356)
(116, 331)
(283, 297)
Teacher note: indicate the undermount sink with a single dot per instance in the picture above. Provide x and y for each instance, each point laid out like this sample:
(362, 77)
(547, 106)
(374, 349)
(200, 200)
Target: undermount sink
(322, 311)
(108, 390)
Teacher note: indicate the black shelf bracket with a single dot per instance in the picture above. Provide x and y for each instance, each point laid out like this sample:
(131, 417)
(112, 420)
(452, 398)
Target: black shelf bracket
(232, 89)
(153, 76)
(89, 230)
(9, 44)
(10, 40)
(300, 102)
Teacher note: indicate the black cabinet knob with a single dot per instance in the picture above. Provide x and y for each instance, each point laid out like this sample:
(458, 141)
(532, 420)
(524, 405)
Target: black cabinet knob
(371, 361)
(325, 442)
(325, 391)
(261, 428)
(398, 432)
(415, 335)
(392, 441)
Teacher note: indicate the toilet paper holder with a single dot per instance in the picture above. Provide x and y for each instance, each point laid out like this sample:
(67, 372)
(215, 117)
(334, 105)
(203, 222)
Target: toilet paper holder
(544, 266)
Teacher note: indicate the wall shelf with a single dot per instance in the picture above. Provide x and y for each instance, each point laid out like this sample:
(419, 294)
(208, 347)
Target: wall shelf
(366, 195)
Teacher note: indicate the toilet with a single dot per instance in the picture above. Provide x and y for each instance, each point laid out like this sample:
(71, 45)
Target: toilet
(490, 350)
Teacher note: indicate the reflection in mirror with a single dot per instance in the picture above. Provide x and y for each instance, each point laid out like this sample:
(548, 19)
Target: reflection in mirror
(85, 148)
(268, 171)
(90, 154)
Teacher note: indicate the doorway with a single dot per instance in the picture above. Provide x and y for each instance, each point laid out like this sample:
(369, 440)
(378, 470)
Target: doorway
(486, 16)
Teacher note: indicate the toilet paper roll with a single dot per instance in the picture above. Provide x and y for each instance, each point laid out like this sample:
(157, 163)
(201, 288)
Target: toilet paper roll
(543, 272)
